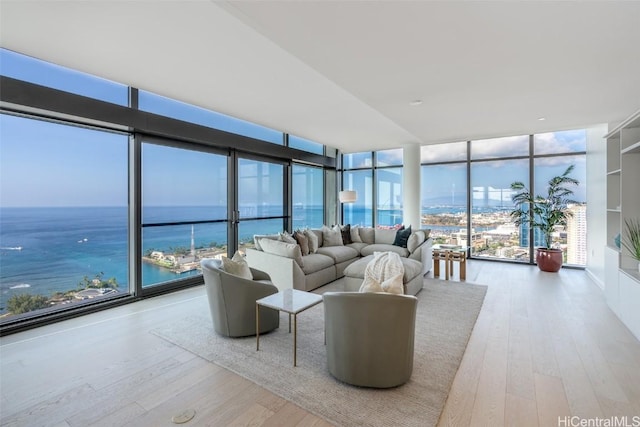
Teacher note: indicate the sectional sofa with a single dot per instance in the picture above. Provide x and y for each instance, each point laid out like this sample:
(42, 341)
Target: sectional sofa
(288, 268)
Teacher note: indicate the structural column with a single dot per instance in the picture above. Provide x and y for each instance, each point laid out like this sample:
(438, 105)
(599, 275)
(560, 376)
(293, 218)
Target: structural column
(411, 193)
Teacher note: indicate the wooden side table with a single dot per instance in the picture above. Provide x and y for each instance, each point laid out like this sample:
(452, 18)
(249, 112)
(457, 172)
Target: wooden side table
(441, 255)
(461, 258)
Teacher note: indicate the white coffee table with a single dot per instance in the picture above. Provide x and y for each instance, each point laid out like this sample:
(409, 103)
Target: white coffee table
(290, 301)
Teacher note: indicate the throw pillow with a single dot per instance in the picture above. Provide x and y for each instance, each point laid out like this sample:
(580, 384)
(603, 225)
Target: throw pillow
(286, 237)
(288, 250)
(258, 237)
(332, 236)
(355, 235)
(345, 230)
(367, 235)
(313, 240)
(401, 237)
(415, 240)
(303, 242)
(237, 266)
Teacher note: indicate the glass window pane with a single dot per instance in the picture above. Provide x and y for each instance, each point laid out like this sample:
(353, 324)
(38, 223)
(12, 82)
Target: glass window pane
(181, 185)
(44, 73)
(444, 202)
(190, 113)
(248, 228)
(493, 234)
(359, 212)
(569, 141)
(511, 146)
(573, 239)
(357, 160)
(389, 187)
(305, 144)
(308, 196)
(443, 152)
(389, 157)
(260, 189)
(63, 216)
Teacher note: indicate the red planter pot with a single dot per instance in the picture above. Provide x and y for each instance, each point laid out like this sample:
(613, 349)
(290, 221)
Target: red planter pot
(549, 259)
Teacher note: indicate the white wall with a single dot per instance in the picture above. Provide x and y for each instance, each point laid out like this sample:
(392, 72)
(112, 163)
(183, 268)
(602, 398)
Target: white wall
(596, 201)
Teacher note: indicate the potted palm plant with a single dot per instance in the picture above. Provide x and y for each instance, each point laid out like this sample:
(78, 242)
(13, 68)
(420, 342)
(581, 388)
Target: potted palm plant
(545, 213)
(631, 239)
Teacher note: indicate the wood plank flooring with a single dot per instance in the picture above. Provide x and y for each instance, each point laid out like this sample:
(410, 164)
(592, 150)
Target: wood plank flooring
(544, 346)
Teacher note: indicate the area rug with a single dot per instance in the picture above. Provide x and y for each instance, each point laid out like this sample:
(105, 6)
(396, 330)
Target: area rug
(446, 314)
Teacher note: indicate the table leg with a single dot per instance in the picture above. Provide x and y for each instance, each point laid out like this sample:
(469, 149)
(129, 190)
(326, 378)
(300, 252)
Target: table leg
(436, 266)
(448, 267)
(290, 322)
(295, 338)
(257, 327)
(463, 268)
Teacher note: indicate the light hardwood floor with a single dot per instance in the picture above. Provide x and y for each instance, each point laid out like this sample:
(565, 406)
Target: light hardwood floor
(544, 346)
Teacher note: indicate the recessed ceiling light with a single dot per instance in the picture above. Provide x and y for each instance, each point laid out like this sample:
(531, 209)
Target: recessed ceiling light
(415, 103)
(541, 118)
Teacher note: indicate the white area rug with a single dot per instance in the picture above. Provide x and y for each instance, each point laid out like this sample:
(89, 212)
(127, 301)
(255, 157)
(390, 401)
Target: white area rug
(447, 312)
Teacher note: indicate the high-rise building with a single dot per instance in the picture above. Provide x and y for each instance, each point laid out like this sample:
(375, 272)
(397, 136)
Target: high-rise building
(577, 235)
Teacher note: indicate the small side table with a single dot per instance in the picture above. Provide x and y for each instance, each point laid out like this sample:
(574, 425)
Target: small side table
(291, 301)
(449, 254)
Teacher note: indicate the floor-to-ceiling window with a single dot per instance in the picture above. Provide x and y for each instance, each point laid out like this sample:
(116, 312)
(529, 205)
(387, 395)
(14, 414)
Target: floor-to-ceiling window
(184, 210)
(388, 174)
(118, 192)
(493, 164)
(261, 201)
(444, 192)
(308, 195)
(63, 216)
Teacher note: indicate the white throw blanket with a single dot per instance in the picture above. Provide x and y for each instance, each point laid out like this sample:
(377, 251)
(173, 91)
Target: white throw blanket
(384, 274)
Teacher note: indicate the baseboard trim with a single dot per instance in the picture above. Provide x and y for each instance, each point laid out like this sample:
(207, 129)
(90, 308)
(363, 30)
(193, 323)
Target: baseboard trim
(593, 277)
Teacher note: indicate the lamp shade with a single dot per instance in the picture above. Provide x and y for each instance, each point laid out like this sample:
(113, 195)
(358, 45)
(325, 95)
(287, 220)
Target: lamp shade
(347, 196)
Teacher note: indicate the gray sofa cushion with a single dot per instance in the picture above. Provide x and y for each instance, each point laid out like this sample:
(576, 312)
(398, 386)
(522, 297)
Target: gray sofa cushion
(368, 235)
(377, 247)
(357, 246)
(385, 235)
(338, 253)
(316, 262)
(412, 268)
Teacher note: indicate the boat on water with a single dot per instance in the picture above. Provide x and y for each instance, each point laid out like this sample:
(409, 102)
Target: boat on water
(20, 286)
(11, 248)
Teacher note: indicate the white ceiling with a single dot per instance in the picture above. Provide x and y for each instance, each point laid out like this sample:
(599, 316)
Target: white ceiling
(343, 72)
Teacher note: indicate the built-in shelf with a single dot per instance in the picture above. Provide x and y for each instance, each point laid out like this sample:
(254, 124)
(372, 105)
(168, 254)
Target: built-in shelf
(635, 148)
(614, 210)
(615, 172)
(614, 248)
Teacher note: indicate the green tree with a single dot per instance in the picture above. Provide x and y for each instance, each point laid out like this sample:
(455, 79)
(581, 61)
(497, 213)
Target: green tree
(23, 303)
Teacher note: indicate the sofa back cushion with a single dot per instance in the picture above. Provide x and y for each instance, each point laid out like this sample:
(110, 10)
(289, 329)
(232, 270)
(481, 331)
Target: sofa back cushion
(415, 240)
(367, 234)
(258, 237)
(332, 236)
(288, 250)
(384, 235)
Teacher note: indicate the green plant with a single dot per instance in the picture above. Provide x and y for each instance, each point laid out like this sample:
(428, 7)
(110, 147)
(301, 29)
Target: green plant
(545, 212)
(631, 239)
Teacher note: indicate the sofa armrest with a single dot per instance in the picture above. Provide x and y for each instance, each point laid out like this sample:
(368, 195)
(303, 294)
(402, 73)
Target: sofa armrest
(424, 254)
(285, 272)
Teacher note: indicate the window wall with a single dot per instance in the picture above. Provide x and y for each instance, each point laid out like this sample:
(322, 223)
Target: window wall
(63, 216)
(377, 179)
(308, 195)
(489, 168)
(89, 213)
(184, 211)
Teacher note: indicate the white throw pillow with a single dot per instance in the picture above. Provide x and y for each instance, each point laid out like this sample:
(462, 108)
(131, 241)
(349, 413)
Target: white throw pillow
(332, 236)
(237, 266)
(313, 240)
(355, 235)
(288, 250)
(415, 239)
(286, 237)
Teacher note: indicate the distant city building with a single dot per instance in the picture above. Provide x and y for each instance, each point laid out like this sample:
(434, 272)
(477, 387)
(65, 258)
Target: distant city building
(538, 237)
(576, 235)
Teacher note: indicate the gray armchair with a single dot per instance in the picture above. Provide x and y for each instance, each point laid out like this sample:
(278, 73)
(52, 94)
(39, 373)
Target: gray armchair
(370, 337)
(232, 300)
